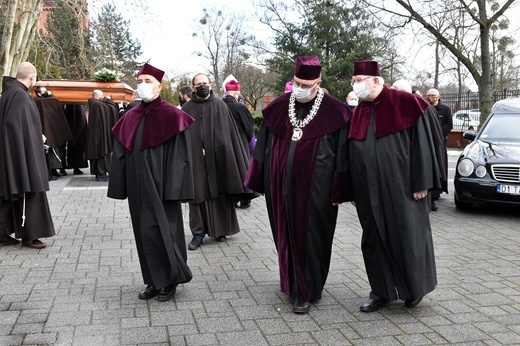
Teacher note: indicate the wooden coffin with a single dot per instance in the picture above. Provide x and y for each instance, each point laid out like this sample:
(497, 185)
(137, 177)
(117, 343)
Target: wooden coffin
(79, 91)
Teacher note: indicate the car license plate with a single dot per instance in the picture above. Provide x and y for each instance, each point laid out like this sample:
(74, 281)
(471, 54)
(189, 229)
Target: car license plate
(511, 189)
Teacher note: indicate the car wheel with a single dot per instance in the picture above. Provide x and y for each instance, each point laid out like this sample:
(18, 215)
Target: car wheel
(462, 205)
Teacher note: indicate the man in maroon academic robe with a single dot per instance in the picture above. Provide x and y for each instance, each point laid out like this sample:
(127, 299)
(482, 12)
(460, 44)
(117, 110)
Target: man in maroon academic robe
(24, 209)
(392, 166)
(152, 167)
(299, 164)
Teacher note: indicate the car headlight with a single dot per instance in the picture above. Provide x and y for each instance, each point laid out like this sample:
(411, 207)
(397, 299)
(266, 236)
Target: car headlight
(481, 171)
(465, 167)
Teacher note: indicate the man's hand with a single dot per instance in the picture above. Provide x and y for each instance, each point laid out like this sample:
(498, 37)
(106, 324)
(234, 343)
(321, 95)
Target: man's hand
(420, 195)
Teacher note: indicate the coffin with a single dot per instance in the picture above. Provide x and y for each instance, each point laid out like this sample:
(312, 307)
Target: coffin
(79, 91)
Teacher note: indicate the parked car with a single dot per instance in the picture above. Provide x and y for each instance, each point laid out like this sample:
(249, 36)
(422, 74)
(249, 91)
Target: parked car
(466, 119)
(488, 169)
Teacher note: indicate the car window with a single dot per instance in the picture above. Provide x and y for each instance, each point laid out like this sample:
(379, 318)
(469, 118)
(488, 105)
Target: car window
(502, 127)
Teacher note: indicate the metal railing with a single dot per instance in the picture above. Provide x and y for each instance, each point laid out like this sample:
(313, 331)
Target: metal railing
(470, 101)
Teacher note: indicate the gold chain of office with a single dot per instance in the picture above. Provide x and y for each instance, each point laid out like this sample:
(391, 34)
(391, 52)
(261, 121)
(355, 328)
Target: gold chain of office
(297, 124)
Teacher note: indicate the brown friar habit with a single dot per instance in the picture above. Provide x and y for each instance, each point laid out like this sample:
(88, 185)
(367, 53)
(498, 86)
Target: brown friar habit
(219, 166)
(102, 116)
(55, 128)
(23, 171)
(54, 123)
(77, 121)
(152, 167)
(391, 156)
(301, 181)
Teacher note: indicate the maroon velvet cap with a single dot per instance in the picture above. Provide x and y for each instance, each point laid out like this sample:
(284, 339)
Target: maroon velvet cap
(366, 68)
(308, 67)
(152, 71)
(232, 85)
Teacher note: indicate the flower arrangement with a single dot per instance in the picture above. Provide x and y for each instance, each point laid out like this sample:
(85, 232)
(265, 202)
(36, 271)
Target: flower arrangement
(106, 75)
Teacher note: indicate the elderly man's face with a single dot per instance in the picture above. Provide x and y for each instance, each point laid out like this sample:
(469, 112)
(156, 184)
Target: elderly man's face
(364, 87)
(305, 90)
(432, 98)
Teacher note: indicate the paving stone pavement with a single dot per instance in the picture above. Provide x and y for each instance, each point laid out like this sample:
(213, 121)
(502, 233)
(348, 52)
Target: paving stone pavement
(82, 289)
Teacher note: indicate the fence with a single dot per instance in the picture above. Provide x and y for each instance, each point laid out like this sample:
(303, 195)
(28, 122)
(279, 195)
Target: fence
(468, 104)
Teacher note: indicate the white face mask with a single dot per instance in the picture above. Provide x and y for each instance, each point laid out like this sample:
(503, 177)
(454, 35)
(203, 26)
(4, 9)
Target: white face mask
(352, 103)
(302, 95)
(145, 91)
(360, 90)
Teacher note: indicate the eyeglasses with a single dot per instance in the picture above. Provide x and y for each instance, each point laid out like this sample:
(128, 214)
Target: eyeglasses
(359, 80)
(201, 84)
(304, 86)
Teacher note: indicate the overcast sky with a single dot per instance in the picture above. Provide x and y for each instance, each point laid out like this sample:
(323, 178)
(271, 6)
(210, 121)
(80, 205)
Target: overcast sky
(165, 32)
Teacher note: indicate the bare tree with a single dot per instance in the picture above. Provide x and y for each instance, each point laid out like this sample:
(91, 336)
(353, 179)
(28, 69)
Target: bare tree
(226, 42)
(255, 83)
(478, 13)
(20, 20)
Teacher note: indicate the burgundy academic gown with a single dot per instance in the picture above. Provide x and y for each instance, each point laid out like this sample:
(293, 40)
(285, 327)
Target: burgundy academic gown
(391, 156)
(301, 180)
(152, 167)
(23, 170)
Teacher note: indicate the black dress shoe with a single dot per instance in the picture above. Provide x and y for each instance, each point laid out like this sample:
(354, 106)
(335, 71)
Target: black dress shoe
(55, 173)
(167, 293)
(63, 172)
(7, 240)
(372, 305)
(244, 205)
(195, 243)
(220, 238)
(411, 303)
(434, 207)
(77, 171)
(301, 308)
(148, 293)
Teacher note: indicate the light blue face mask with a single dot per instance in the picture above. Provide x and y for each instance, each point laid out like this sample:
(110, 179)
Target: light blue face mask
(360, 90)
(301, 94)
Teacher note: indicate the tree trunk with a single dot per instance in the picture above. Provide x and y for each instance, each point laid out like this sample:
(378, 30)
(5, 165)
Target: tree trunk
(485, 82)
(22, 18)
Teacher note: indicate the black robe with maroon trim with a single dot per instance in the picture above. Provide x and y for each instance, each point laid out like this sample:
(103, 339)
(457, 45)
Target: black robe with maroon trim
(152, 167)
(301, 181)
(391, 156)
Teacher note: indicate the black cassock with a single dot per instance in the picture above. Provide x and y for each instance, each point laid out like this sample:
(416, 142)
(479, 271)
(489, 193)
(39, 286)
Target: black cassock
(155, 180)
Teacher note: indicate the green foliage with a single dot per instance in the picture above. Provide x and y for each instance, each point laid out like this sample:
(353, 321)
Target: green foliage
(167, 95)
(115, 48)
(66, 46)
(257, 119)
(339, 33)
